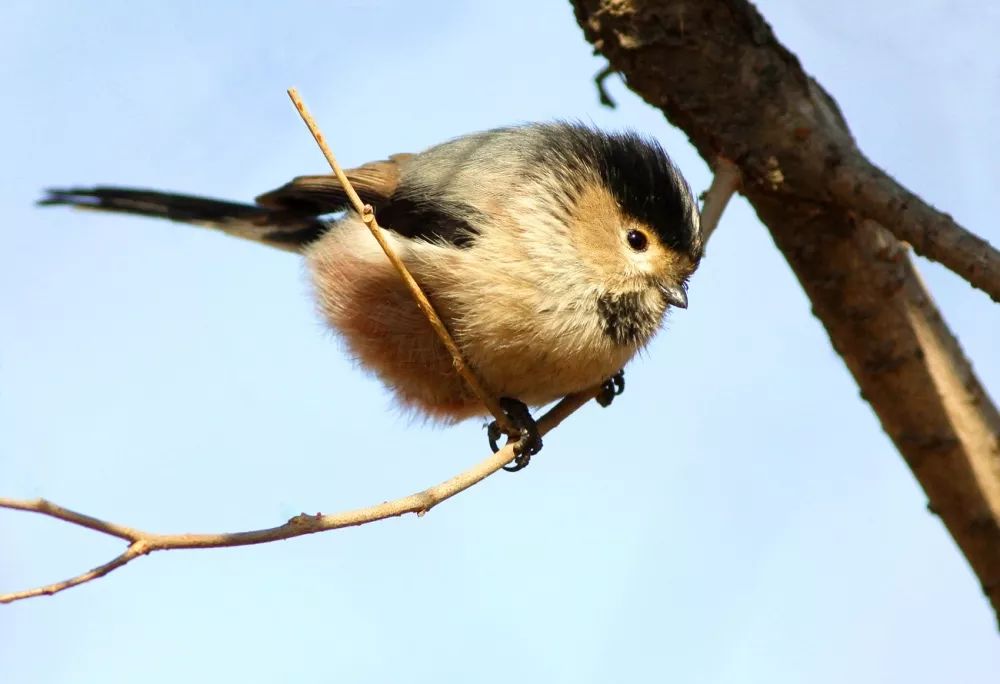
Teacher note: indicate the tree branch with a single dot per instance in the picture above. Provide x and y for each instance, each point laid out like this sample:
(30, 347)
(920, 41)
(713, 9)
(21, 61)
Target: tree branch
(440, 329)
(142, 543)
(715, 68)
(932, 234)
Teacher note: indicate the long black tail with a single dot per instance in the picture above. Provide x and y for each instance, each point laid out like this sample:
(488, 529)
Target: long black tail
(282, 228)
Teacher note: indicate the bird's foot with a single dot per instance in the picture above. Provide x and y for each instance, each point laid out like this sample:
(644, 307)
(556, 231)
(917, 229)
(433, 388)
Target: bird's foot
(530, 442)
(611, 388)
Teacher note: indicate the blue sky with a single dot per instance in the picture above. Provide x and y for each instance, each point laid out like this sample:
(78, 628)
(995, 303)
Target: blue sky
(178, 380)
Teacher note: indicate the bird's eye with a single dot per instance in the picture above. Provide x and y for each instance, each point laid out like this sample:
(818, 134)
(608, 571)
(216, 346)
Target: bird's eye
(637, 240)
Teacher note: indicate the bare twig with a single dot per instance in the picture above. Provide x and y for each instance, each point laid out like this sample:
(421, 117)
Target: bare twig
(142, 543)
(600, 80)
(368, 216)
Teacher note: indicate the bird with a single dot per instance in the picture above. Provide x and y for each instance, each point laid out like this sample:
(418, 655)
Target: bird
(552, 252)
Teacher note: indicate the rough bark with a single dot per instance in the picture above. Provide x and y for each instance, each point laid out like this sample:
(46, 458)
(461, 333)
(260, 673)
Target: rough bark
(716, 70)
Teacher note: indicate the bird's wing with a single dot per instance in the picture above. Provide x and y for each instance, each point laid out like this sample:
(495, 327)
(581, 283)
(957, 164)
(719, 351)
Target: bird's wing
(374, 182)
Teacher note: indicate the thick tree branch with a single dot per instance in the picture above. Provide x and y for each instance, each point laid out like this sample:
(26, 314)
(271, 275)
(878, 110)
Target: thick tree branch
(715, 68)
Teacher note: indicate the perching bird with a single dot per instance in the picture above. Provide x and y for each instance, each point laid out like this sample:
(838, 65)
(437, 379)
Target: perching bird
(551, 251)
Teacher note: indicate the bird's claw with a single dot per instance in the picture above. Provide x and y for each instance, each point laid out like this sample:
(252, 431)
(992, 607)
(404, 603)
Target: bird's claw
(529, 441)
(611, 388)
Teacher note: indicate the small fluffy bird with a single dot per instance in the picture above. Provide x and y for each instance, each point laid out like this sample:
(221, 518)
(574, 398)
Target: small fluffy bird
(551, 251)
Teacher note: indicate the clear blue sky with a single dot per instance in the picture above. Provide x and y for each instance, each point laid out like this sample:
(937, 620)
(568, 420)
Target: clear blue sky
(178, 380)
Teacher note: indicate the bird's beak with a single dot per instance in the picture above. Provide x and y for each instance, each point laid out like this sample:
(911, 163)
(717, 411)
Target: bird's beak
(675, 295)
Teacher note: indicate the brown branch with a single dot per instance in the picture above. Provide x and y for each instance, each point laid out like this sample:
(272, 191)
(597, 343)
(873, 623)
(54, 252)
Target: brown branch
(716, 70)
(132, 552)
(368, 216)
(142, 543)
(877, 196)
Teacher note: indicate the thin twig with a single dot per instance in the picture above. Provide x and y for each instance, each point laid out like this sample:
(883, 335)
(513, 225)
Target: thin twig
(142, 543)
(600, 80)
(368, 216)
